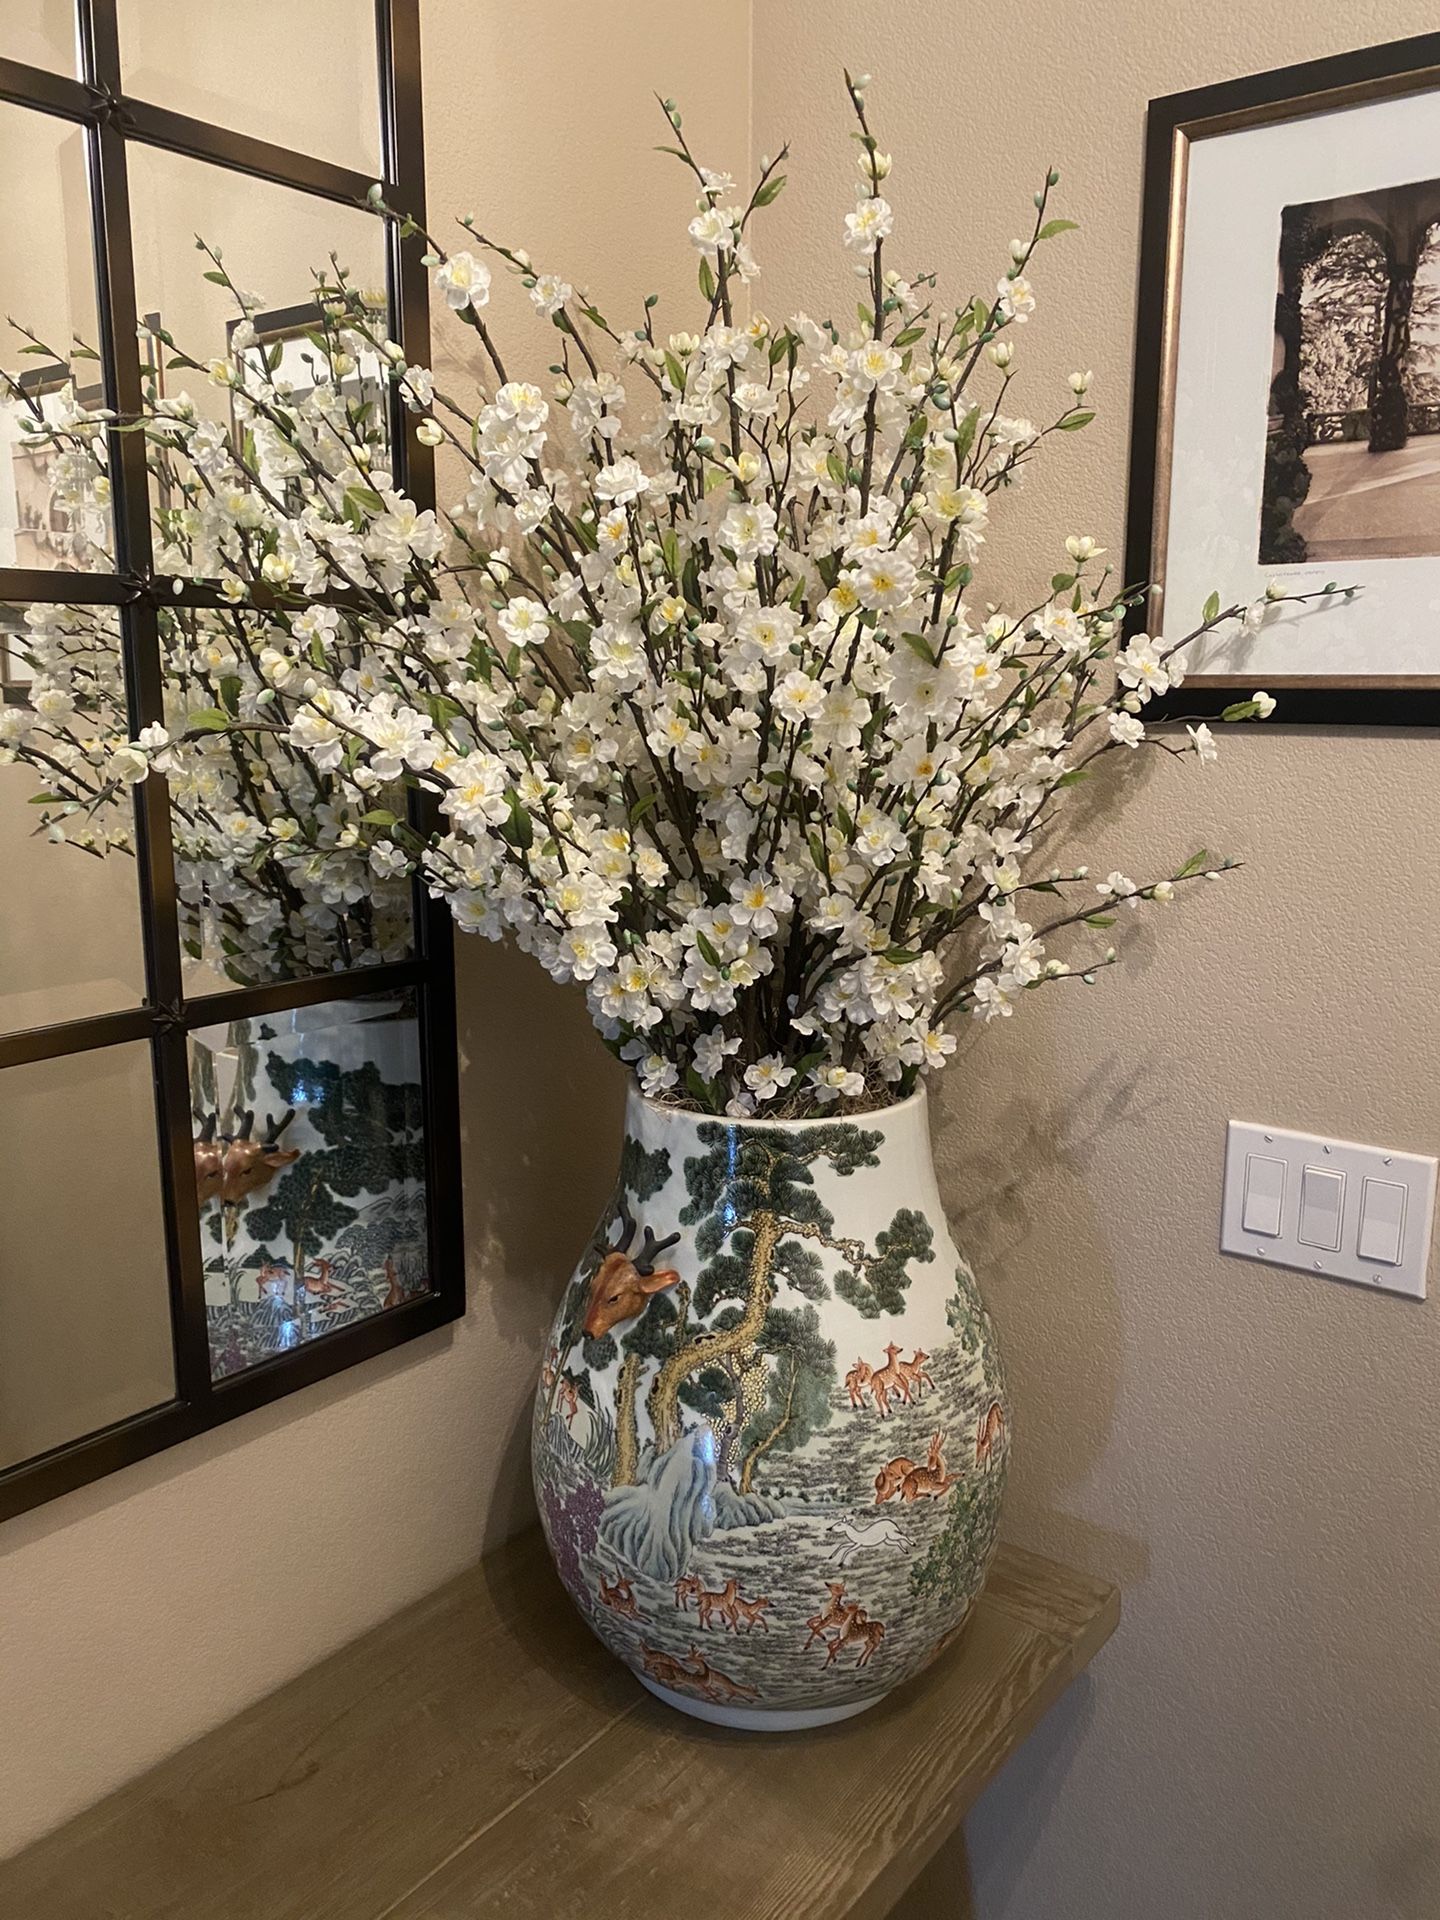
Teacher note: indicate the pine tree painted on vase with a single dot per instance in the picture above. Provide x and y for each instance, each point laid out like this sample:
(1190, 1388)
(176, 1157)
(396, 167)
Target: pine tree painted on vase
(771, 1432)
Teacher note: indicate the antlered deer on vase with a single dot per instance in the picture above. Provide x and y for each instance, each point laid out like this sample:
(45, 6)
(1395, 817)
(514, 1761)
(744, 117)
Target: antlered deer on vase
(230, 1167)
(897, 1379)
(929, 1480)
(626, 1278)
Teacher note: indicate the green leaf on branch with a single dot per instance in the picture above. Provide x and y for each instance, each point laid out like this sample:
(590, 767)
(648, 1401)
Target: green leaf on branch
(1053, 227)
(519, 829)
(1211, 609)
(208, 720)
(1197, 863)
(1099, 919)
(917, 643)
(772, 190)
(1073, 422)
(707, 950)
(360, 501)
(702, 1091)
(707, 280)
(1241, 710)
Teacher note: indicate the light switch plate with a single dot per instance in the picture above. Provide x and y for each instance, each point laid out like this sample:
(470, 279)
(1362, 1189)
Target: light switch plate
(1300, 1200)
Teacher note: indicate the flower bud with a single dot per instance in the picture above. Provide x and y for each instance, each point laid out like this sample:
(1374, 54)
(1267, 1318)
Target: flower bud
(1080, 382)
(1001, 353)
(429, 433)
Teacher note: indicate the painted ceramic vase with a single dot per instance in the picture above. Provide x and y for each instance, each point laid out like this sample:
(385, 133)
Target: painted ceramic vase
(771, 1430)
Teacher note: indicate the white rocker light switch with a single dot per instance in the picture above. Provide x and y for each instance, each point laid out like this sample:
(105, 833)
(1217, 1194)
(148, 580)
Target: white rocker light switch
(1322, 1207)
(1382, 1221)
(1331, 1208)
(1264, 1193)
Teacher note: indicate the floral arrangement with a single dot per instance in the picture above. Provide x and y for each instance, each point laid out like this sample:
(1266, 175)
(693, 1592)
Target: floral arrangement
(693, 667)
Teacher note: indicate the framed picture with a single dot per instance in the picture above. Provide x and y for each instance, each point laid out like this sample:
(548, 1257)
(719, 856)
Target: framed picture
(36, 528)
(1286, 415)
(15, 673)
(286, 350)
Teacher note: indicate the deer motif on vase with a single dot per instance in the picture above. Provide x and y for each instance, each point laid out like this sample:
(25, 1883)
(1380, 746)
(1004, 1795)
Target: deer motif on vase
(626, 1277)
(230, 1167)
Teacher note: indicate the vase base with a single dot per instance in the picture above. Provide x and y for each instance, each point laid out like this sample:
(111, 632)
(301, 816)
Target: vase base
(759, 1719)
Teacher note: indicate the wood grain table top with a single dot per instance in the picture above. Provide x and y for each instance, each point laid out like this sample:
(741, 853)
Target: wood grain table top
(481, 1754)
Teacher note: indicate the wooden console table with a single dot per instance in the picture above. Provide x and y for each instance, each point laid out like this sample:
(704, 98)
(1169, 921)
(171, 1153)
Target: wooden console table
(481, 1755)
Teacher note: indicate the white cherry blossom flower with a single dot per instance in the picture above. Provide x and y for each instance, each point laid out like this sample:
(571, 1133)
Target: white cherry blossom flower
(870, 223)
(465, 282)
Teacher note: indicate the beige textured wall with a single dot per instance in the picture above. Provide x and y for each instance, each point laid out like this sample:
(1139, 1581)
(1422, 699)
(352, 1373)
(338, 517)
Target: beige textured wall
(1253, 1455)
(140, 1611)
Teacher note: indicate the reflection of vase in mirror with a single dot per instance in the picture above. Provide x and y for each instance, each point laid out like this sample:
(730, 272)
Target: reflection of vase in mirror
(309, 1160)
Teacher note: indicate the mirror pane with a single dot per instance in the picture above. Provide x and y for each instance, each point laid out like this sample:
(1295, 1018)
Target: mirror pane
(70, 931)
(280, 873)
(84, 1303)
(310, 1167)
(276, 246)
(304, 77)
(41, 33)
(54, 484)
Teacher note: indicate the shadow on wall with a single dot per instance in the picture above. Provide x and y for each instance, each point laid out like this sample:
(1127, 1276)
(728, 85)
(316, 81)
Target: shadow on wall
(951, 1887)
(541, 1109)
(1027, 1163)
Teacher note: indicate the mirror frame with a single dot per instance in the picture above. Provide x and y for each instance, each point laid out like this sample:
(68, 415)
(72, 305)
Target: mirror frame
(111, 121)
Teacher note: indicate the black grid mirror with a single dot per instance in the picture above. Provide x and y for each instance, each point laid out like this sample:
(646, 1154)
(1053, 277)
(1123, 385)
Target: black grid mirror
(214, 1188)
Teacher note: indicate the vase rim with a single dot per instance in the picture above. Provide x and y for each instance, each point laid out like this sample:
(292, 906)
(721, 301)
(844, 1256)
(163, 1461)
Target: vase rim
(917, 1101)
